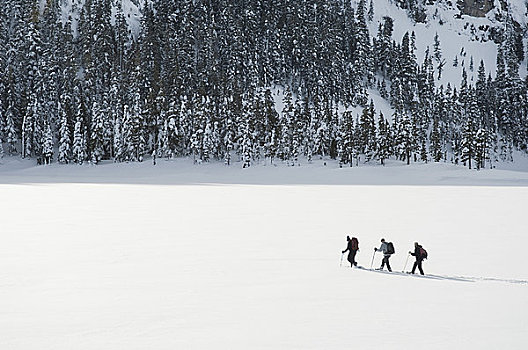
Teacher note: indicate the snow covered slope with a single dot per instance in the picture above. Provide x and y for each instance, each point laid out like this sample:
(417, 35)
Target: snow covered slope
(196, 266)
(463, 36)
(319, 172)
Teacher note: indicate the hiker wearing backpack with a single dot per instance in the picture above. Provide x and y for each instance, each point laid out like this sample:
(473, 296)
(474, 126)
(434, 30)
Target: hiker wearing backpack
(420, 255)
(352, 248)
(387, 248)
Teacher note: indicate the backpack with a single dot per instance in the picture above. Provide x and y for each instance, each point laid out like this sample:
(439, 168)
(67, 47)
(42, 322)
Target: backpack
(390, 248)
(423, 253)
(355, 243)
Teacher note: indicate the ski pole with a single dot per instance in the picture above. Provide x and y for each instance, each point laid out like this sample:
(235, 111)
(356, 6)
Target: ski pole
(341, 262)
(408, 255)
(372, 263)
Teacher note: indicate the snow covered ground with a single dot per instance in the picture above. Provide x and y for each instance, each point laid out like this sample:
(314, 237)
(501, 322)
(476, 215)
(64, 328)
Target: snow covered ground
(177, 256)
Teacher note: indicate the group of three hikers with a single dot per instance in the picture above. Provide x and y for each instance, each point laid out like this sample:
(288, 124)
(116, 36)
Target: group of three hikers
(387, 249)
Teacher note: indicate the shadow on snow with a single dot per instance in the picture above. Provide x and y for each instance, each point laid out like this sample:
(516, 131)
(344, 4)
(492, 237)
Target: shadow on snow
(448, 278)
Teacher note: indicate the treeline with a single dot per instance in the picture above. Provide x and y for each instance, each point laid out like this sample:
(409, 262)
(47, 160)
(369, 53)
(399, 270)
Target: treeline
(196, 81)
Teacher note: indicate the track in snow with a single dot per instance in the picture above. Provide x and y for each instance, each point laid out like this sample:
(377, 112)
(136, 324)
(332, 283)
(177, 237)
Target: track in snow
(444, 277)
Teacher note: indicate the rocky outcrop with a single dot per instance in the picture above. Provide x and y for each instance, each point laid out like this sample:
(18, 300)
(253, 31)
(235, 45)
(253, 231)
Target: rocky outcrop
(475, 8)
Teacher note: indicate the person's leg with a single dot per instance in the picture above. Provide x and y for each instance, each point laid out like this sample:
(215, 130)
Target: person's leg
(388, 265)
(420, 267)
(384, 262)
(414, 267)
(353, 258)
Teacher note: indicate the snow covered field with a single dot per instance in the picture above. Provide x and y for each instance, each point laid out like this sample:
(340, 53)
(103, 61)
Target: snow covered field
(193, 257)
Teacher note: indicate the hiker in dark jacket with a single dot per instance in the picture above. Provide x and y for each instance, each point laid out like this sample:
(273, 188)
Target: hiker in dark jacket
(386, 255)
(419, 258)
(352, 248)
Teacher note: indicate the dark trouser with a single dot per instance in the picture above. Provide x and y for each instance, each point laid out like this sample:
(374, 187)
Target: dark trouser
(418, 263)
(352, 257)
(386, 261)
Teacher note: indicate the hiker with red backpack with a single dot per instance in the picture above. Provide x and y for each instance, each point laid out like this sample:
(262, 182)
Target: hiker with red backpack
(352, 248)
(420, 253)
(387, 248)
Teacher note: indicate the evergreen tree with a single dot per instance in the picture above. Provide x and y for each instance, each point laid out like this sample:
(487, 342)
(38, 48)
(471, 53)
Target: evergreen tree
(64, 156)
(28, 127)
(97, 134)
(79, 144)
(437, 51)
(119, 143)
(468, 142)
(370, 15)
(192, 79)
(405, 141)
(384, 140)
(10, 132)
(47, 146)
(346, 141)
(367, 132)
(287, 119)
(436, 141)
(133, 136)
(482, 148)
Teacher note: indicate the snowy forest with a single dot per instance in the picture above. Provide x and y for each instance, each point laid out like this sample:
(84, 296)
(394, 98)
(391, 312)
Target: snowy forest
(201, 78)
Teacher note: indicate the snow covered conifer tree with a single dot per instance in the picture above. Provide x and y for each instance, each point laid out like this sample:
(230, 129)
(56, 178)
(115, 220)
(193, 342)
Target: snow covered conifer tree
(346, 140)
(1, 120)
(437, 51)
(287, 120)
(363, 67)
(296, 128)
(405, 141)
(134, 140)
(97, 134)
(271, 121)
(119, 146)
(384, 46)
(10, 132)
(367, 132)
(482, 148)
(436, 142)
(79, 145)
(207, 144)
(47, 146)
(229, 140)
(370, 14)
(423, 151)
(64, 156)
(247, 144)
(484, 98)
(28, 127)
(321, 139)
(270, 146)
(171, 134)
(468, 142)
(383, 140)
